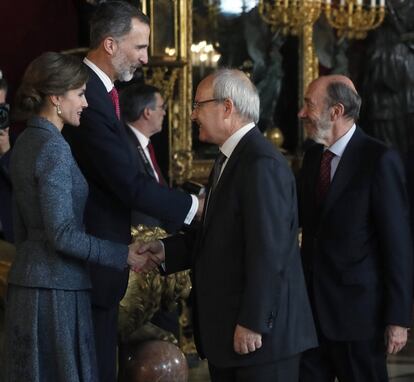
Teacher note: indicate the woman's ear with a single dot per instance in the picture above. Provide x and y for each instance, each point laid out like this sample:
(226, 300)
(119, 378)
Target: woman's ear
(55, 100)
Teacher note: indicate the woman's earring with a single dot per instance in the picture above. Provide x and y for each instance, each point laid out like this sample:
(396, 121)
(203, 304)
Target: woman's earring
(58, 110)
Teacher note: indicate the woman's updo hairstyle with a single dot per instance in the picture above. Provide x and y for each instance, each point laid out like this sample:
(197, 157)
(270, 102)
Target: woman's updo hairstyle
(49, 74)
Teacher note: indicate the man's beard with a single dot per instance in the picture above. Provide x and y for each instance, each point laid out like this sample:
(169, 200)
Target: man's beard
(323, 128)
(124, 71)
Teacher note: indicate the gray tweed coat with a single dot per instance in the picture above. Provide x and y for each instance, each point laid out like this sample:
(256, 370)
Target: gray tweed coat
(49, 334)
(50, 194)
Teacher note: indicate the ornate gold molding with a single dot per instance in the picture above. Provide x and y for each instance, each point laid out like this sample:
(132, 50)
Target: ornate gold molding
(172, 73)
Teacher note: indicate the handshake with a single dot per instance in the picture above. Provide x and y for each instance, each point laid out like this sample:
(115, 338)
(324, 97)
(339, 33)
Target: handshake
(144, 257)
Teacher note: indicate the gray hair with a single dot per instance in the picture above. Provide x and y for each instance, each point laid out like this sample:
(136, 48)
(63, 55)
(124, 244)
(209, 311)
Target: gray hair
(113, 18)
(338, 92)
(235, 85)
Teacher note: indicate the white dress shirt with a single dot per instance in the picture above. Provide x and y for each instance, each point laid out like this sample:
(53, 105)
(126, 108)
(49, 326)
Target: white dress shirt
(338, 149)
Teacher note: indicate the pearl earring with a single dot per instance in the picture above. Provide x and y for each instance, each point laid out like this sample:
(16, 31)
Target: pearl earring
(58, 110)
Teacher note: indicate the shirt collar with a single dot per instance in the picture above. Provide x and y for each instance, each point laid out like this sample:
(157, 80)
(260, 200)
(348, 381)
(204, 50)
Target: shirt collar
(143, 140)
(100, 73)
(339, 146)
(230, 144)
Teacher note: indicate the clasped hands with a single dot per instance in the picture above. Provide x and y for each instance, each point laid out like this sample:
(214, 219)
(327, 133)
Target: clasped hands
(144, 257)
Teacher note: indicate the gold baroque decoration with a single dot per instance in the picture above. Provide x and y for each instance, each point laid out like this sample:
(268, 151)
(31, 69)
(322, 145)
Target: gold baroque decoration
(147, 293)
(290, 15)
(180, 167)
(163, 78)
(296, 17)
(353, 20)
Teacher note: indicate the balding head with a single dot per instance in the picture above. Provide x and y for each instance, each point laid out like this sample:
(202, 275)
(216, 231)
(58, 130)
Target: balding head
(340, 89)
(337, 78)
(330, 109)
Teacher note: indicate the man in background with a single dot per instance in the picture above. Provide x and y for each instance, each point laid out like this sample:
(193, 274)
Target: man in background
(357, 251)
(143, 111)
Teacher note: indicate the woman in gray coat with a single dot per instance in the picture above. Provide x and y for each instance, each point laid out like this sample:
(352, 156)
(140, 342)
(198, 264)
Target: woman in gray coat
(49, 334)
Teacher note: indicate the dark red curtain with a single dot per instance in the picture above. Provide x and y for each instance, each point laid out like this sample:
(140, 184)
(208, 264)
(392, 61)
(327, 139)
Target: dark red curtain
(30, 27)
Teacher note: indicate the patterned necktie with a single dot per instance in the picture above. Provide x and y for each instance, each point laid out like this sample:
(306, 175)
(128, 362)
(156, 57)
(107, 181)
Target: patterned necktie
(324, 180)
(115, 100)
(155, 163)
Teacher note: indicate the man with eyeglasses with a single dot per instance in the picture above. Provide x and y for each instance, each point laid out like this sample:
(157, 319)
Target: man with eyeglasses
(143, 111)
(252, 316)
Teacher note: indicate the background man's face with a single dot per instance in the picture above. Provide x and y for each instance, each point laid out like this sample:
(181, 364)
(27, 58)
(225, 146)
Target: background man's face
(157, 114)
(315, 114)
(132, 51)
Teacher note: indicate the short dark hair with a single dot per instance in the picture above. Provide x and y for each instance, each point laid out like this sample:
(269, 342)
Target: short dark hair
(338, 92)
(135, 98)
(113, 18)
(49, 74)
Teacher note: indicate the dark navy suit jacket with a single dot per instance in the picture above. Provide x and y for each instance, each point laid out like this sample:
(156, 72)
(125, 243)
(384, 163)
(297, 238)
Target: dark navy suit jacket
(142, 165)
(116, 187)
(357, 250)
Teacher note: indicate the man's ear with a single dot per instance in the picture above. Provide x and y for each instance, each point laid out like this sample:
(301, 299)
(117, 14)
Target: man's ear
(337, 111)
(228, 107)
(110, 45)
(146, 113)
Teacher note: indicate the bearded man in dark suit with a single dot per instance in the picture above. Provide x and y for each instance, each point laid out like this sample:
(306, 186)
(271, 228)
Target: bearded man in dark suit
(252, 317)
(119, 38)
(357, 251)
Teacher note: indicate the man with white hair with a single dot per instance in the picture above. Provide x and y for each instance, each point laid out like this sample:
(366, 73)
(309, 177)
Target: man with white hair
(252, 317)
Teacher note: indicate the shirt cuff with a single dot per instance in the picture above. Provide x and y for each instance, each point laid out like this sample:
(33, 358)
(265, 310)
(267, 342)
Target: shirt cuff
(163, 266)
(193, 210)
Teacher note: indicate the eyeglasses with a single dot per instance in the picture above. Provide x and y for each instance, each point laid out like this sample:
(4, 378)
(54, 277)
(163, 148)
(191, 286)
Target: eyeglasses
(197, 104)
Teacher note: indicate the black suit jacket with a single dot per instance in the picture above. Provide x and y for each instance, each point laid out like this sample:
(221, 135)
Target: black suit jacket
(100, 147)
(357, 250)
(246, 262)
(144, 167)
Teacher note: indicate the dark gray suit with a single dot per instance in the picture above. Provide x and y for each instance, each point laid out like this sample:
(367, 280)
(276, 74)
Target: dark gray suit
(48, 314)
(245, 260)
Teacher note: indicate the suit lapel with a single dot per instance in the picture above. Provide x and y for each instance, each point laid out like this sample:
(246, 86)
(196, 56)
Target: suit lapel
(97, 93)
(345, 171)
(228, 169)
(139, 151)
